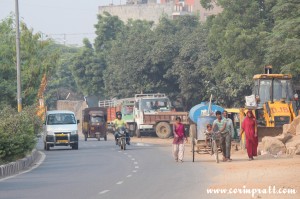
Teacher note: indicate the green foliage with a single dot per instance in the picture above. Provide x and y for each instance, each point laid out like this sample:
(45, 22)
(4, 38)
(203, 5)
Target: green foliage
(87, 70)
(18, 132)
(36, 59)
(284, 40)
(60, 80)
(107, 28)
(181, 57)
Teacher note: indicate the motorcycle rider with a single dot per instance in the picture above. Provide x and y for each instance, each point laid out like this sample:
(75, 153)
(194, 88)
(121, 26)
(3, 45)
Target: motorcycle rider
(119, 123)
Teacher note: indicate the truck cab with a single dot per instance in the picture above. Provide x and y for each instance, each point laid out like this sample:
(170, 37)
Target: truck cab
(152, 113)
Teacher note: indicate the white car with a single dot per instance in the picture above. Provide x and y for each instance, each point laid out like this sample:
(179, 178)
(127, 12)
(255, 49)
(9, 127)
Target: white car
(60, 129)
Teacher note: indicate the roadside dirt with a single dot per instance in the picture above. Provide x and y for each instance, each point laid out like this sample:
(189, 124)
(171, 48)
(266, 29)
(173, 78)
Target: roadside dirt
(263, 174)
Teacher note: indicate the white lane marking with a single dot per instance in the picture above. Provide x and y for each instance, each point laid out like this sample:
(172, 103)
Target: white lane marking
(103, 192)
(119, 151)
(136, 167)
(43, 156)
(133, 159)
(134, 171)
(129, 156)
(125, 153)
(135, 162)
(142, 144)
(128, 176)
(120, 182)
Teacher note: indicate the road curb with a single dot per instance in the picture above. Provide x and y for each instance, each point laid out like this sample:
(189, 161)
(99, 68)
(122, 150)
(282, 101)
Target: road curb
(13, 168)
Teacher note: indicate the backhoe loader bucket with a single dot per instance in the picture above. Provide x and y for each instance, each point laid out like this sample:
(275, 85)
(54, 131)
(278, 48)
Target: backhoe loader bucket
(268, 131)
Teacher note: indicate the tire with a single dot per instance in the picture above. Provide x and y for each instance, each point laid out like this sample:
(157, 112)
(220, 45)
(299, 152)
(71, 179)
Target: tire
(193, 150)
(75, 146)
(98, 137)
(124, 144)
(105, 137)
(138, 133)
(47, 147)
(216, 151)
(121, 144)
(192, 134)
(163, 130)
(192, 131)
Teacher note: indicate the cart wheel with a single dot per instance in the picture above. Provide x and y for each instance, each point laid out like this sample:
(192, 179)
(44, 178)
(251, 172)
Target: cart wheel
(216, 151)
(193, 150)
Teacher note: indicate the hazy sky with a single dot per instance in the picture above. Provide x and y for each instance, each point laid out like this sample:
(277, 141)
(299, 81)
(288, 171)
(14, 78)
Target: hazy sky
(59, 19)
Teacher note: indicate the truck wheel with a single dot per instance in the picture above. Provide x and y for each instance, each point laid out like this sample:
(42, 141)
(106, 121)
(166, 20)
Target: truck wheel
(163, 130)
(192, 131)
(138, 133)
(75, 146)
(192, 135)
(47, 147)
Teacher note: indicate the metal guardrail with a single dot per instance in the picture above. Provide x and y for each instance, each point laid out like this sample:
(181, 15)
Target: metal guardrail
(150, 95)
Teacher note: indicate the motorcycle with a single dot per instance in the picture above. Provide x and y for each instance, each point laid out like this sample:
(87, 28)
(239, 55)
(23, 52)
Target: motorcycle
(121, 139)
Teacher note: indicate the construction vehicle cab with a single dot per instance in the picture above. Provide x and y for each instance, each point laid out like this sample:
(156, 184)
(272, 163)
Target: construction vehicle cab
(276, 103)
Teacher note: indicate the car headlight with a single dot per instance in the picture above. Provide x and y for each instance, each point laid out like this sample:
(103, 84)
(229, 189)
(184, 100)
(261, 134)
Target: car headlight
(74, 132)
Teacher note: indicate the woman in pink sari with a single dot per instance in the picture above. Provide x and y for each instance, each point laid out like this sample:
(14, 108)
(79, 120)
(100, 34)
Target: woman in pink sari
(178, 142)
(250, 129)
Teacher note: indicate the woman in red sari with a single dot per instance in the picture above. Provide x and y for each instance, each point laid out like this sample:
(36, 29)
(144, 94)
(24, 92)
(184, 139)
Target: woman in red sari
(250, 129)
(178, 142)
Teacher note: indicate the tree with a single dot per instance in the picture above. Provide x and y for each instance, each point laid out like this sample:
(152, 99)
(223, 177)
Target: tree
(35, 61)
(284, 40)
(237, 38)
(128, 65)
(87, 70)
(107, 28)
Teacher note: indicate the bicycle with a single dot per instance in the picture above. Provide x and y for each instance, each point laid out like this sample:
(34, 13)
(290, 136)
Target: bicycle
(213, 140)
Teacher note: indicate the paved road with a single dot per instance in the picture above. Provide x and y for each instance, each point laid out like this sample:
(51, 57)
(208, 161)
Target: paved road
(101, 170)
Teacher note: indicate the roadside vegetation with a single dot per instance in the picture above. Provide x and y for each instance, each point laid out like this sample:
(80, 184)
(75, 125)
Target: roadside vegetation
(182, 58)
(18, 133)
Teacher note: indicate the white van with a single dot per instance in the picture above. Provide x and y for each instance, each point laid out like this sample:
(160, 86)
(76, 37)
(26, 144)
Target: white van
(60, 129)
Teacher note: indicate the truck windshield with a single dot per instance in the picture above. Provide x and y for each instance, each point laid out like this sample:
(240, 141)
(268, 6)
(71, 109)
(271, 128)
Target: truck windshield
(282, 89)
(60, 118)
(155, 104)
(127, 110)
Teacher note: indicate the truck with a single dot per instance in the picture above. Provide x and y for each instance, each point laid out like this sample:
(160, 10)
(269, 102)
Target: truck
(153, 113)
(125, 106)
(94, 123)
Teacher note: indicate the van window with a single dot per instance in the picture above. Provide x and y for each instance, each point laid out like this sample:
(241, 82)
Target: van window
(61, 118)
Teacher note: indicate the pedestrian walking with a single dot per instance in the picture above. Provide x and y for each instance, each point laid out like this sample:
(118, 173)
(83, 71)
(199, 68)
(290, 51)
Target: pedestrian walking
(178, 142)
(230, 130)
(225, 139)
(249, 127)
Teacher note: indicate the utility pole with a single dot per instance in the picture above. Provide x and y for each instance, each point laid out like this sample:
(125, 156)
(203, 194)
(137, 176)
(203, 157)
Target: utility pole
(19, 98)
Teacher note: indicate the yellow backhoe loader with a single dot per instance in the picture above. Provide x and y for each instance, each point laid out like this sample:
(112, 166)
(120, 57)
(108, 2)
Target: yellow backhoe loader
(276, 102)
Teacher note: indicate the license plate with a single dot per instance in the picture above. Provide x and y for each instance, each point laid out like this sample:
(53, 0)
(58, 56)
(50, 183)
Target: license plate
(62, 141)
(60, 135)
